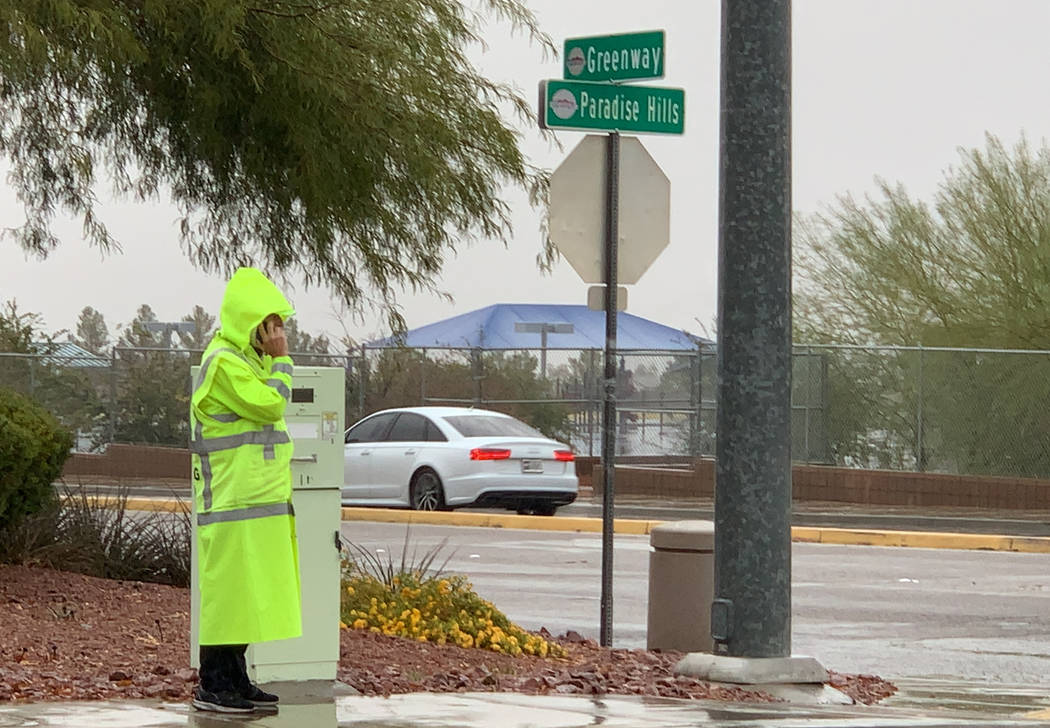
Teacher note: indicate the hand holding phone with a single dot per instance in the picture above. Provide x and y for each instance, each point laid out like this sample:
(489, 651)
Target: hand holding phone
(271, 336)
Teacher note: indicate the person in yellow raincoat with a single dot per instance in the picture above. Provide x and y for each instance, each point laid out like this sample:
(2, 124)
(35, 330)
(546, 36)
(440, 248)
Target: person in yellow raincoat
(242, 488)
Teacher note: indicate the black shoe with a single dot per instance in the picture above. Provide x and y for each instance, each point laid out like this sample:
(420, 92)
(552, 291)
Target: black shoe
(259, 697)
(221, 702)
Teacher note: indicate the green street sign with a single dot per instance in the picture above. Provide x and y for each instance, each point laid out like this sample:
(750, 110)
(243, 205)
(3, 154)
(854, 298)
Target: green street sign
(626, 57)
(607, 107)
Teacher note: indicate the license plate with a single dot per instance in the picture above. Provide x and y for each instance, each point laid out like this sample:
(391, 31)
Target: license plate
(532, 466)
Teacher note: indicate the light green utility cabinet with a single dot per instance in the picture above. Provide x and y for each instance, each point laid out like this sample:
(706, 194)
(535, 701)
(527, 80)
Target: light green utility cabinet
(315, 418)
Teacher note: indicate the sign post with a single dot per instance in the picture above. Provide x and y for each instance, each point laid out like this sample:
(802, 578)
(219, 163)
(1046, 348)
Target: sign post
(590, 99)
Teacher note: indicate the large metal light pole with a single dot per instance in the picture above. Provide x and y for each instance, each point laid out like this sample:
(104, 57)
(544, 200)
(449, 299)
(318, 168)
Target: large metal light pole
(751, 614)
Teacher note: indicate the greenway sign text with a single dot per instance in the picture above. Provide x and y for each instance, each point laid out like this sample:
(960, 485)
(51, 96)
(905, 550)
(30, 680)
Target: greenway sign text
(626, 57)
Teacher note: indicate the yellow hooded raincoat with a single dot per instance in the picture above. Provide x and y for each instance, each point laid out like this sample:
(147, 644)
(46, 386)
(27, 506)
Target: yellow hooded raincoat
(247, 555)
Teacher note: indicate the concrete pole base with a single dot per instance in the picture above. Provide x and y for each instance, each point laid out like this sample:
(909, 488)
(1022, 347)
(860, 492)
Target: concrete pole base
(751, 670)
(793, 679)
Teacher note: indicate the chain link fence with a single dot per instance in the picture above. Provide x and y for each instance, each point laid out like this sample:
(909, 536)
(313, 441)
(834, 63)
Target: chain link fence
(970, 411)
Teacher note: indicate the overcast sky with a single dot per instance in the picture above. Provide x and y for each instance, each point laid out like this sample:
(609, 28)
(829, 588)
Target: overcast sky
(881, 87)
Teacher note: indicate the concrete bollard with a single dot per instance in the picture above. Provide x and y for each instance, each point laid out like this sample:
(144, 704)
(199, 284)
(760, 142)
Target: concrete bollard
(681, 586)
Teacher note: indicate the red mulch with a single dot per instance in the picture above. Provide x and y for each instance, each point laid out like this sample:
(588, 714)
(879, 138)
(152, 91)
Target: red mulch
(65, 636)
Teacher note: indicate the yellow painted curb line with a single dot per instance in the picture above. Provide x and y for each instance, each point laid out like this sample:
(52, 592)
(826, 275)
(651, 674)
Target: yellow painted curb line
(139, 504)
(922, 539)
(496, 520)
(628, 526)
(802, 534)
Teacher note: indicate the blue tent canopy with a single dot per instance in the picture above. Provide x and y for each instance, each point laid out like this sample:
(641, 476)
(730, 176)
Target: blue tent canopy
(493, 327)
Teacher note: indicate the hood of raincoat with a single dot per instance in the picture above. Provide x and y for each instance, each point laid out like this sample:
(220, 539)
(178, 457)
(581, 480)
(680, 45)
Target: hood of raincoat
(250, 297)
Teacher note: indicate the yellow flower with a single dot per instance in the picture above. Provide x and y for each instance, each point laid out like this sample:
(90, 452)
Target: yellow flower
(342, 624)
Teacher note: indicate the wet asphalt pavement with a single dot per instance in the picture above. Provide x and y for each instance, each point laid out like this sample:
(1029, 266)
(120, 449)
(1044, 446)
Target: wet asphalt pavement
(502, 710)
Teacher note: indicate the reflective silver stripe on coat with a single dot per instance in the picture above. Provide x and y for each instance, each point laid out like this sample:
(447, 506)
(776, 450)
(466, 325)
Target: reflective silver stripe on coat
(198, 430)
(282, 367)
(269, 453)
(267, 436)
(205, 467)
(281, 387)
(207, 363)
(225, 417)
(246, 514)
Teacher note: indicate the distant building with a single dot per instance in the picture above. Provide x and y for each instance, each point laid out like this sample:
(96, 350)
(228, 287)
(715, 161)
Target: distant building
(493, 327)
(67, 354)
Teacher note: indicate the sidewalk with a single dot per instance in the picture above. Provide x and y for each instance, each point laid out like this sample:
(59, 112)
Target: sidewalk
(497, 710)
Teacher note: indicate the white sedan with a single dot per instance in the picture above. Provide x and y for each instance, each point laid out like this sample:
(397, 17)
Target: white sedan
(438, 458)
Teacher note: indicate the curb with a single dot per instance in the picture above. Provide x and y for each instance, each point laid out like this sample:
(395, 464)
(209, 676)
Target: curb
(627, 526)
(922, 539)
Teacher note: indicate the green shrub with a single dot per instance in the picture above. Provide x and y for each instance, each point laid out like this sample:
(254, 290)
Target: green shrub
(33, 449)
(95, 534)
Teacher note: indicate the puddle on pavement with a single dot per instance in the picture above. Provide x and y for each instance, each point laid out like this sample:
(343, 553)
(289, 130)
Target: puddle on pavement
(975, 697)
(920, 703)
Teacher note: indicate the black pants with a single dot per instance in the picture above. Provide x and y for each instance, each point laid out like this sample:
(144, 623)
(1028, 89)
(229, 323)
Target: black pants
(223, 669)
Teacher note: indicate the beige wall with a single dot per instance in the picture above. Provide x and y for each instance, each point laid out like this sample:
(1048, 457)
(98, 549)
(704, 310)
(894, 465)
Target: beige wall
(844, 485)
(129, 463)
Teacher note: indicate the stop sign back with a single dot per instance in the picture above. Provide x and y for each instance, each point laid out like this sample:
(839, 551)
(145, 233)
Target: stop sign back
(577, 209)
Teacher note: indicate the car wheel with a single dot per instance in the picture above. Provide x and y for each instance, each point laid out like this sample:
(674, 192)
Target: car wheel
(544, 509)
(427, 493)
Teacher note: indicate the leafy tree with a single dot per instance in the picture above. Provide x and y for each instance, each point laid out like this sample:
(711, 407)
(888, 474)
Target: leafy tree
(971, 268)
(514, 375)
(152, 387)
(92, 332)
(301, 345)
(300, 342)
(153, 398)
(70, 393)
(348, 141)
(401, 378)
(203, 328)
(18, 329)
(135, 335)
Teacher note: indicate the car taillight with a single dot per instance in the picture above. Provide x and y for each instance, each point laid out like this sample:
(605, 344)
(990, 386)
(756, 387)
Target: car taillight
(489, 453)
(565, 456)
